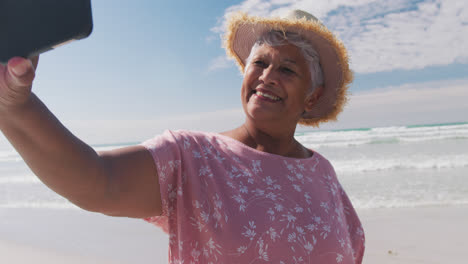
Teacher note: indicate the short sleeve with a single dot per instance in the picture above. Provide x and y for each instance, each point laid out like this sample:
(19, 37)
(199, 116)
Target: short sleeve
(356, 232)
(166, 155)
(355, 229)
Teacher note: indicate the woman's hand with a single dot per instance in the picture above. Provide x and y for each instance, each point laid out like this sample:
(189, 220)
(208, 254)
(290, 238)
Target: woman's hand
(16, 80)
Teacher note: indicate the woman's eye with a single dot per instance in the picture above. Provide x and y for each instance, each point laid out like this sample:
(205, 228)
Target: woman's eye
(287, 70)
(260, 63)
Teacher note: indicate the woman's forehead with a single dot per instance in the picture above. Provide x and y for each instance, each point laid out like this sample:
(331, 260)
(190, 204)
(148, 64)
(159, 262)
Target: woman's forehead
(287, 53)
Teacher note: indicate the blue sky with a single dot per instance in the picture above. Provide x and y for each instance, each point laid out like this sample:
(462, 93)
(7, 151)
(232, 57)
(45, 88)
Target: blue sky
(152, 65)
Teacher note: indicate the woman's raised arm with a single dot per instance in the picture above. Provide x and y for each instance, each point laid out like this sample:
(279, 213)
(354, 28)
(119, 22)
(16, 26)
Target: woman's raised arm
(122, 182)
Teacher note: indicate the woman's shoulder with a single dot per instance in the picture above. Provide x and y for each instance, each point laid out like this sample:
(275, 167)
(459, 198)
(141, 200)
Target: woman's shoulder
(183, 134)
(186, 138)
(319, 156)
(322, 162)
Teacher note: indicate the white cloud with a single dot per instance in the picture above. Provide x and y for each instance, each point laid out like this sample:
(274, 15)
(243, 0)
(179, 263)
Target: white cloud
(220, 62)
(383, 35)
(209, 39)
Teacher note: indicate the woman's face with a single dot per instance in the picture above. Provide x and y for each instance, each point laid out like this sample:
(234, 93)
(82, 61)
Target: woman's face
(276, 83)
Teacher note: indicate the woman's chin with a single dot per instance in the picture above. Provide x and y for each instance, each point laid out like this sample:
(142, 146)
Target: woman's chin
(258, 114)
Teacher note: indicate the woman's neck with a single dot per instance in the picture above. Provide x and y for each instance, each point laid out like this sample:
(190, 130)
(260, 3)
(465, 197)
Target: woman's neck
(277, 141)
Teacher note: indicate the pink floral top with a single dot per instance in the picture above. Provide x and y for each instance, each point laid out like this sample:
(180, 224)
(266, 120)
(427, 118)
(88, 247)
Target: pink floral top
(224, 202)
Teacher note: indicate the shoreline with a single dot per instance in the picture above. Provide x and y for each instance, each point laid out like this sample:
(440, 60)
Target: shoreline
(432, 234)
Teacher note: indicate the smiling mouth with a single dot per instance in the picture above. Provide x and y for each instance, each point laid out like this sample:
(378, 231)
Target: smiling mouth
(267, 96)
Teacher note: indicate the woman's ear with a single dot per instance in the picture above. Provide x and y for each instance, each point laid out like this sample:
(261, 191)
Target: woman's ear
(312, 98)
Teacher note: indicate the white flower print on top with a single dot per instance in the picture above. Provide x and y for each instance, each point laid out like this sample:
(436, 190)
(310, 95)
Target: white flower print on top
(256, 166)
(224, 202)
(250, 230)
(262, 250)
(273, 234)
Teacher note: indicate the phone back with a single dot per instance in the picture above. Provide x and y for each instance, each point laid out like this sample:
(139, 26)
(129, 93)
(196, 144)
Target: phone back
(31, 27)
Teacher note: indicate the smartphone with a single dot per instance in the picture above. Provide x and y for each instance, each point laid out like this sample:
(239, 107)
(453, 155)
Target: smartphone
(31, 27)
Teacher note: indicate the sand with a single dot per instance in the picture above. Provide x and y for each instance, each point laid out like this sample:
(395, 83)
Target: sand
(416, 235)
(53, 236)
(402, 235)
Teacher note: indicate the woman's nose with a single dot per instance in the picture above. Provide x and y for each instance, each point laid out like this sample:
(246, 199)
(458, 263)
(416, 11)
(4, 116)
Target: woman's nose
(269, 76)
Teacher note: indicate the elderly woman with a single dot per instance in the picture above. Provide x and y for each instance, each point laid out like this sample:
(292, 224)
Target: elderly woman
(250, 195)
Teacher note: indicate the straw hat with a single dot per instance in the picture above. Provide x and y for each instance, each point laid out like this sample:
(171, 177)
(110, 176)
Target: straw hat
(244, 30)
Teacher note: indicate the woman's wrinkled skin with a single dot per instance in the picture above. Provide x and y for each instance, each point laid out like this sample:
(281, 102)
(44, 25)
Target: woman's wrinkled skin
(275, 93)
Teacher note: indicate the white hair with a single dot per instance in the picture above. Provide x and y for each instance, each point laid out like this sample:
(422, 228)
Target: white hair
(279, 38)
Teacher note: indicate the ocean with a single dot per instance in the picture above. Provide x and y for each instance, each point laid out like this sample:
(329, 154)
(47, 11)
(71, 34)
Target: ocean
(383, 167)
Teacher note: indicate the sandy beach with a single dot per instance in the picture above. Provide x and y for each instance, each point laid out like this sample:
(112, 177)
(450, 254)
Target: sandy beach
(416, 235)
(402, 235)
(75, 236)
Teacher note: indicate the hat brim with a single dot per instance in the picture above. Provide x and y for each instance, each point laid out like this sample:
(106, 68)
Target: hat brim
(243, 31)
